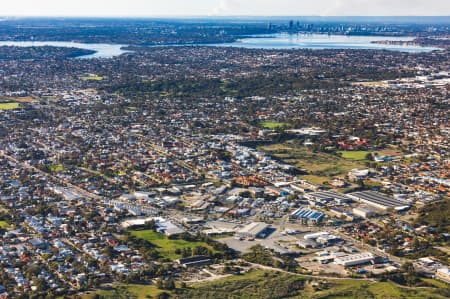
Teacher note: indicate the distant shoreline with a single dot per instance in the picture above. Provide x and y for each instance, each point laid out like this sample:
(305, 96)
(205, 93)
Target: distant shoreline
(421, 42)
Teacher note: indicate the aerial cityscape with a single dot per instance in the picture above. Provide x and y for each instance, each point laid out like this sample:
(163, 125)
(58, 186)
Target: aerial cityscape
(212, 152)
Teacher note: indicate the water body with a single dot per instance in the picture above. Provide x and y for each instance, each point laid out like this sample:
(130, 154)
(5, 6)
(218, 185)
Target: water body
(324, 41)
(275, 41)
(101, 50)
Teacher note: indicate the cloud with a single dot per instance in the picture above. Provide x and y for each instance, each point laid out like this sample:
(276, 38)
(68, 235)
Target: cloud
(385, 7)
(225, 7)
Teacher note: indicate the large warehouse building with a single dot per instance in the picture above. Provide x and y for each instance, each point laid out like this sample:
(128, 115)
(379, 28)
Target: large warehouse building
(327, 196)
(443, 274)
(310, 215)
(380, 201)
(254, 230)
(354, 259)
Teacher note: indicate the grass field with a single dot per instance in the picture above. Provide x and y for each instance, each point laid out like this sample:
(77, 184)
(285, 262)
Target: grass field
(26, 99)
(347, 289)
(92, 77)
(226, 87)
(165, 246)
(56, 168)
(252, 285)
(436, 283)
(137, 291)
(9, 106)
(271, 125)
(263, 284)
(260, 284)
(354, 155)
(321, 166)
(4, 224)
(315, 179)
(383, 290)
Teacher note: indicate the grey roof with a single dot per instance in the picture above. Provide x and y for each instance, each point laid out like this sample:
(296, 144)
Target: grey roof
(378, 199)
(327, 195)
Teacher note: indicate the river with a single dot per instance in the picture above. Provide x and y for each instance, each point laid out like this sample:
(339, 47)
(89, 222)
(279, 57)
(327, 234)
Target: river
(275, 41)
(101, 50)
(325, 41)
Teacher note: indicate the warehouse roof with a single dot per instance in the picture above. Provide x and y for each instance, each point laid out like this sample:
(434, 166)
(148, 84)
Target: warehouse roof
(327, 195)
(379, 200)
(254, 228)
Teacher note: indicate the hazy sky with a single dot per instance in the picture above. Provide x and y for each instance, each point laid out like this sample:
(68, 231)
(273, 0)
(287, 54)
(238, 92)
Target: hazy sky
(223, 7)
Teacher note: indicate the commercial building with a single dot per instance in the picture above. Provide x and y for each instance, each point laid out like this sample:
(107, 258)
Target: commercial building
(329, 240)
(358, 174)
(167, 227)
(192, 219)
(336, 212)
(443, 274)
(328, 196)
(311, 215)
(135, 222)
(314, 236)
(323, 238)
(354, 259)
(219, 228)
(307, 244)
(378, 200)
(364, 212)
(304, 186)
(195, 261)
(254, 230)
